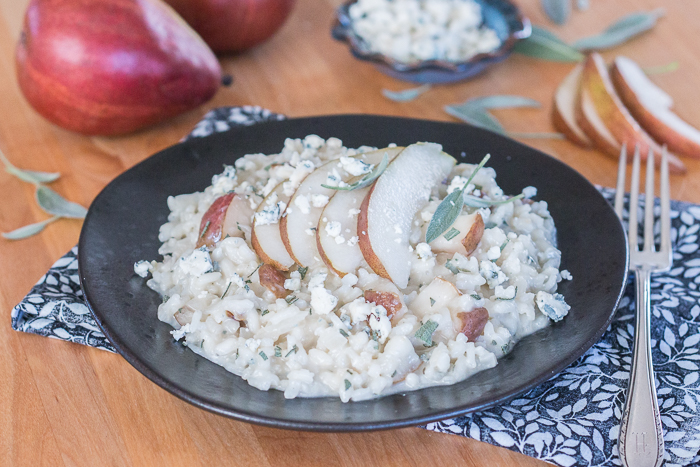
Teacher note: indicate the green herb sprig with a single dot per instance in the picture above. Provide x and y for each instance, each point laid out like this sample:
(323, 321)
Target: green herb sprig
(450, 208)
(367, 180)
(47, 199)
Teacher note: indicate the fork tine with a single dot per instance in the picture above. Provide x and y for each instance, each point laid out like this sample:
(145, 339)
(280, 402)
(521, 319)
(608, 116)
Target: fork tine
(649, 204)
(634, 201)
(665, 199)
(620, 188)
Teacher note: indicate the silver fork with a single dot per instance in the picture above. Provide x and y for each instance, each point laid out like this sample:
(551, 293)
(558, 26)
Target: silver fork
(641, 436)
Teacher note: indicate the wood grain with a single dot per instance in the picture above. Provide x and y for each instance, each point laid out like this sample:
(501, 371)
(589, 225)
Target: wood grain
(65, 404)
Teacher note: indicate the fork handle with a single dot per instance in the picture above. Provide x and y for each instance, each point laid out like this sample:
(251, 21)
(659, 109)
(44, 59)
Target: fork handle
(641, 435)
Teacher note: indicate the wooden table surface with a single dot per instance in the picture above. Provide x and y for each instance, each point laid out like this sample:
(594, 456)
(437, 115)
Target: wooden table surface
(66, 404)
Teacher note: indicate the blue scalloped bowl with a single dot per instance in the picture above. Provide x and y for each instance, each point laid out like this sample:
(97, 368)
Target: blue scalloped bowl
(500, 15)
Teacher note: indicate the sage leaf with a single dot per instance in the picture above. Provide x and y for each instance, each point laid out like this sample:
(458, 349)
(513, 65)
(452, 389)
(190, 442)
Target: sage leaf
(406, 95)
(544, 45)
(624, 29)
(476, 202)
(55, 204)
(445, 215)
(660, 69)
(502, 102)
(477, 116)
(28, 230)
(367, 180)
(557, 10)
(425, 333)
(450, 207)
(31, 176)
(475, 111)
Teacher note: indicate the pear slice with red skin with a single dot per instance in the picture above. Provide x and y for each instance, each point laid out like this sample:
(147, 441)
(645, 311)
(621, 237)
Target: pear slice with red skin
(651, 106)
(564, 109)
(598, 90)
(297, 224)
(224, 217)
(470, 229)
(266, 238)
(386, 214)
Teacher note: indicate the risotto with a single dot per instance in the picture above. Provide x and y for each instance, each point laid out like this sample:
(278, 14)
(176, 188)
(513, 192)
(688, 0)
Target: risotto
(308, 271)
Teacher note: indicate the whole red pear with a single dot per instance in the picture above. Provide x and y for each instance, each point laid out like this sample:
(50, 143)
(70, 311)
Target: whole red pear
(108, 67)
(233, 25)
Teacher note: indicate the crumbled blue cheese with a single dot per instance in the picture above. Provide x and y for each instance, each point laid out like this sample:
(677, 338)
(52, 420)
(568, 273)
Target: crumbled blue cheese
(294, 281)
(456, 184)
(354, 166)
(314, 142)
(494, 253)
(552, 305)
(379, 322)
(142, 268)
(566, 275)
(529, 192)
(415, 30)
(270, 214)
(333, 228)
(492, 273)
(302, 169)
(225, 181)
(318, 201)
(353, 212)
(322, 301)
(334, 179)
(424, 251)
(302, 202)
(196, 263)
(353, 240)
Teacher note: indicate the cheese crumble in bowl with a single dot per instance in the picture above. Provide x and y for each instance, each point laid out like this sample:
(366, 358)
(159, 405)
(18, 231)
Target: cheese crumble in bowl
(430, 41)
(356, 273)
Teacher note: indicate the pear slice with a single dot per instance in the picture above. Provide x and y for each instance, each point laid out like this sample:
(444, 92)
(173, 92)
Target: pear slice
(470, 229)
(651, 106)
(597, 85)
(226, 215)
(386, 214)
(564, 110)
(341, 256)
(266, 238)
(433, 297)
(308, 202)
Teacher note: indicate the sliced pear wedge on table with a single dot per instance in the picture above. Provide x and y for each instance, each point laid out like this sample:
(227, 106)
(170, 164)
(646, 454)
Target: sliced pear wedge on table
(564, 110)
(651, 106)
(386, 214)
(303, 212)
(336, 235)
(599, 104)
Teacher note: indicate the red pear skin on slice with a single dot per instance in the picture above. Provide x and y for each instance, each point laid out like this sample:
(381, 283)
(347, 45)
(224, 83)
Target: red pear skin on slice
(223, 218)
(564, 109)
(596, 82)
(651, 106)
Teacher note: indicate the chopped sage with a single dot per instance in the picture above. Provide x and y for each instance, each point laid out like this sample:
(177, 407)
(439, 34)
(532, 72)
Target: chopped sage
(432, 301)
(343, 333)
(452, 233)
(303, 271)
(294, 350)
(264, 312)
(291, 299)
(263, 355)
(425, 333)
(278, 351)
(348, 385)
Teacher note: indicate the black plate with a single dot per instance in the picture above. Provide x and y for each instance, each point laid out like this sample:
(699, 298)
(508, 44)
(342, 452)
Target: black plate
(122, 227)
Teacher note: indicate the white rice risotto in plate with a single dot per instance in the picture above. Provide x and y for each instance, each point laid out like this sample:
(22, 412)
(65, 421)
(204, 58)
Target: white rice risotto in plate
(308, 271)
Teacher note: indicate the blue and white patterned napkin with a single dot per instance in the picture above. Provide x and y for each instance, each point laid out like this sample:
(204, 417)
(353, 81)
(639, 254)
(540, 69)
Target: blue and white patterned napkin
(572, 419)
